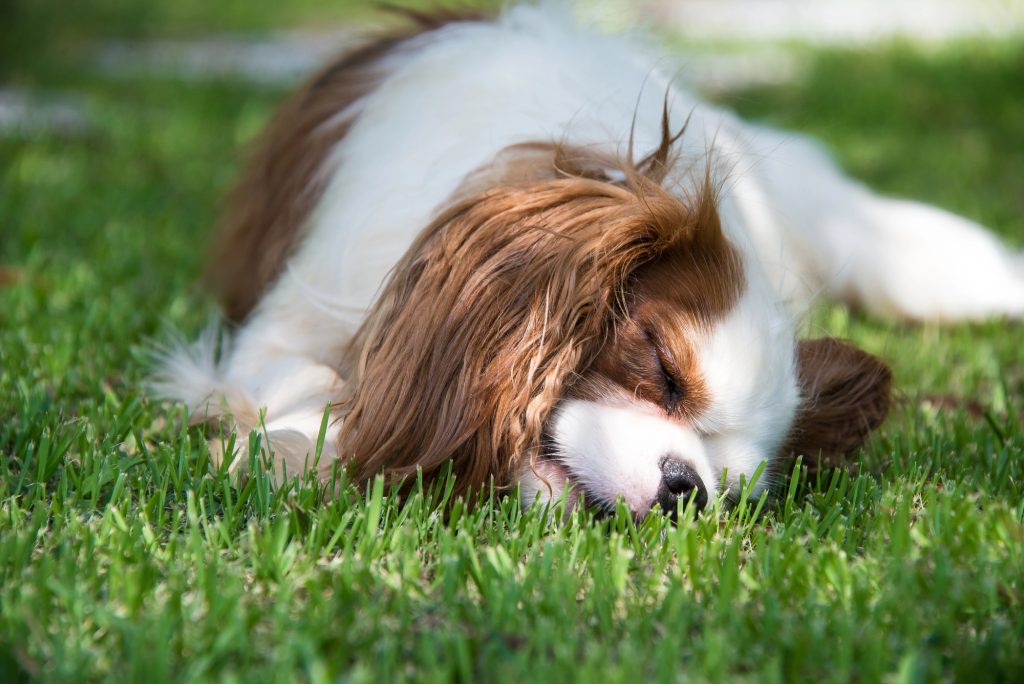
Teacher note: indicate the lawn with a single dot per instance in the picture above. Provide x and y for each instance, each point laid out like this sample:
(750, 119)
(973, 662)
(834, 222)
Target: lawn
(125, 556)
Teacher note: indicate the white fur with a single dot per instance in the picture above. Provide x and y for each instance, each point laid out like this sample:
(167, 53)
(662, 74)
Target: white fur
(471, 90)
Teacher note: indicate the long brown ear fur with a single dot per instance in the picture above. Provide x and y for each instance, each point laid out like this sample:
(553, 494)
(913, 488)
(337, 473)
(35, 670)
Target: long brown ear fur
(492, 314)
(846, 396)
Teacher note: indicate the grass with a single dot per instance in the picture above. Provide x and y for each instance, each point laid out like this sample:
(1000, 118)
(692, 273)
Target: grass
(125, 556)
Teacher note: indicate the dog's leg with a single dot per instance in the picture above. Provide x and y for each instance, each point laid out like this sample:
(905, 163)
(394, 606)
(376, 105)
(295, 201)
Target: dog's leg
(923, 263)
(821, 231)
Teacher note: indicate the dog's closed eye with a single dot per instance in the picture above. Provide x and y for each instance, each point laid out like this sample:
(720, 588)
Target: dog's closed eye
(671, 379)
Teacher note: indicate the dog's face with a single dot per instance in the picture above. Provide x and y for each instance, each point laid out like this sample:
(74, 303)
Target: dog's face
(569, 330)
(701, 383)
(696, 386)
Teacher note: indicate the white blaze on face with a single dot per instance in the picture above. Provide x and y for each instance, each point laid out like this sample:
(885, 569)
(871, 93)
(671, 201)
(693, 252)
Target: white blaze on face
(748, 364)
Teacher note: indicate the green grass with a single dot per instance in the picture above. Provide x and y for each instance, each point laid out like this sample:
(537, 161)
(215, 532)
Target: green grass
(125, 556)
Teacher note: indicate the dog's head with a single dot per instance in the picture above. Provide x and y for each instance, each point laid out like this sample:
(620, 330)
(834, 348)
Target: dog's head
(570, 323)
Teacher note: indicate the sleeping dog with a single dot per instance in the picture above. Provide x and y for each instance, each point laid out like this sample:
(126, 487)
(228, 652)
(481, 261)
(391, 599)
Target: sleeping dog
(520, 247)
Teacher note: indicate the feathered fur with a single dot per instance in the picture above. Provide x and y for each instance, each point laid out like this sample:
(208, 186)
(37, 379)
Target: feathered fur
(496, 309)
(446, 237)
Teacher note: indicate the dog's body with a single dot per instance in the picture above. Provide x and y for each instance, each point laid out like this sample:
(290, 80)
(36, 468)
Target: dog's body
(577, 295)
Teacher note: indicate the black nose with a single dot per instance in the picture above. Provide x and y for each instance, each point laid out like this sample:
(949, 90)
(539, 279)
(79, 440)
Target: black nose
(680, 481)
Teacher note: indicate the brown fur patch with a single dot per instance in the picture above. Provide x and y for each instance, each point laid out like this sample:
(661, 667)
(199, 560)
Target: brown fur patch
(285, 174)
(689, 288)
(492, 314)
(846, 395)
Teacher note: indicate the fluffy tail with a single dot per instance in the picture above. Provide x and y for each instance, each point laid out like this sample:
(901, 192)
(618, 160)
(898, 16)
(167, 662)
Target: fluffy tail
(191, 373)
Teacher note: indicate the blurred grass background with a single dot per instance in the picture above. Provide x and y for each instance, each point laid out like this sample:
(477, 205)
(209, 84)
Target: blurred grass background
(121, 559)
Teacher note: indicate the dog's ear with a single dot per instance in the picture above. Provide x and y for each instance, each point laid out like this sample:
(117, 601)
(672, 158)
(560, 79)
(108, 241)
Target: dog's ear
(495, 309)
(845, 395)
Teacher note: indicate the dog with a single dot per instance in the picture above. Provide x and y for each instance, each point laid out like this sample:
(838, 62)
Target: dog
(524, 249)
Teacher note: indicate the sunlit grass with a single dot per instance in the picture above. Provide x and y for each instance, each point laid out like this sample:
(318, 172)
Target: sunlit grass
(125, 556)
